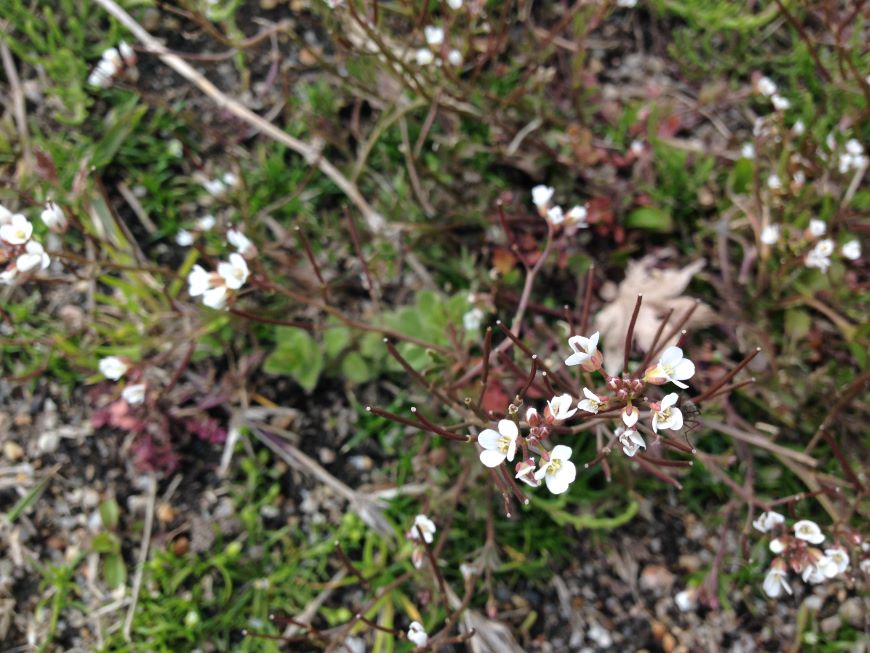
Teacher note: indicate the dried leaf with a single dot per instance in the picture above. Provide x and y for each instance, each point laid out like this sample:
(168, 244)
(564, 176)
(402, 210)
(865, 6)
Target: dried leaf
(662, 291)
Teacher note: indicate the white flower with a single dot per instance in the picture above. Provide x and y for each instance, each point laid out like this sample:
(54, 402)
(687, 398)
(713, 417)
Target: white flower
(747, 151)
(777, 546)
(230, 179)
(767, 521)
(672, 367)
(127, 53)
(53, 216)
(5, 215)
(525, 471)
(636, 147)
(214, 187)
(627, 4)
(799, 178)
(500, 445)
(235, 272)
(555, 215)
(472, 319)
(854, 147)
(205, 223)
(199, 281)
(215, 298)
(585, 352)
(577, 215)
(686, 600)
(17, 230)
(184, 238)
(417, 634)
(817, 227)
(668, 416)
(808, 531)
(770, 234)
(241, 242)
(630, 415)
(113, 57)
(541, 195)
(853, 158)
(434, 35)
(774, 182)
(780, 103)
(821, 570)
(851, 250)
(816, 259)
(630, 440)
(560, 407)
(825, 247)
(102, 75)
(776, 580)
(425, 526)
(134, 394)
(454, 57)
(113, 367)
(839, 557)
(424, 57)
(766, 86)
(8, 275)
(454, 4)
(33, 257)
(558, 472)
(798, 128)
(592, 402)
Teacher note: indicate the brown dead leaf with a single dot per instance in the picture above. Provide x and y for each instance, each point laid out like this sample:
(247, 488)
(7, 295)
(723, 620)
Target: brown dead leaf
(662, 291)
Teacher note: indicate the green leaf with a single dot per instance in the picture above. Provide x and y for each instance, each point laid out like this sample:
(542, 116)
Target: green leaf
(106, 542)
(114, 570)
(297, 355)
(121, 124)
(355, 368)
(651, 218)
(335, 340)
(797, 323)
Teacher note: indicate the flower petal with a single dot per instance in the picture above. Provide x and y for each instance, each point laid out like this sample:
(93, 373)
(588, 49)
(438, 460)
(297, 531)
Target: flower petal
(508, 428)
(488, 439)
(491, 458)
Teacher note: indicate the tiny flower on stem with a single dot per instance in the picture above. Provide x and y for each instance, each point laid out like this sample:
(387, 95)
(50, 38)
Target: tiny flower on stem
(235, 272)
(770, 234)
(34, 257)
(839, 557)
(629, 415)
(541, 196)
(500, 445)
(134, 394)
(808, 531)
(776, 580)
(851, 250)
(17, 230)
(631, 441)
(417, 634)
(817, 228)
(113, 367)
(558, 472)
(241, 242)
(768, 520)
(53, 217)
(592, 402)
(672, 367)
(525, 471)
(426, 526)
(434, 35)
(560, 407)
(667, 415)
(586, 353)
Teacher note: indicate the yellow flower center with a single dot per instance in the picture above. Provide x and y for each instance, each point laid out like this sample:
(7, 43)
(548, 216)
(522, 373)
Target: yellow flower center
(553, 465)
(504, 444)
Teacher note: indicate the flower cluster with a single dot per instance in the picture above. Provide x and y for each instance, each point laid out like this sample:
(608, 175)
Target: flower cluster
(114, 368)
(19, 252)
(799, 552)
(542, 198)
(218, 288)
(423, 529)
(767, 87)
(114, 61)
(435, 45)
(819, 255)
(625, 394)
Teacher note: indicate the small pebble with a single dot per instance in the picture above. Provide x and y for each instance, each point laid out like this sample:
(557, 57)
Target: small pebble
(48, 442)
(12, 451)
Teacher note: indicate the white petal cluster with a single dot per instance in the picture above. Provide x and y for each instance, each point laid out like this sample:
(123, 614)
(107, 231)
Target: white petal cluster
(215, 288)
(585, 352)
(767, 521)
(770, 234)
(558, 472)
(21, 253)
(424, 525)
(435, 37)
(668, 416)
(500, 445)
(853, 157)
(560, 407)
(111, 64)
(417, 634)
(672, 367)
(542, 198)
(820, 256)
(113, 367)
(631, 441)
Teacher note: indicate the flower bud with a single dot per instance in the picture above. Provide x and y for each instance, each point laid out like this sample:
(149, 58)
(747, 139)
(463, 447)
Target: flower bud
(532, 417)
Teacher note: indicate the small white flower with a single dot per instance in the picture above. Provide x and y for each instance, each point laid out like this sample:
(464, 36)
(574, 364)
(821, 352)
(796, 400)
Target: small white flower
(686, 600)
(102, 75)
(630, 416)
(816, 259)
(558, 472)
(825, 247)
(851, 250)
(5, 215)
(230, 179)
(434, 35)
(34, 257)
(808, 531)
(631, 441)
(472, 319)
(854, 147)
(199, 281)
(780, 103)
(53, 216)
(134, 394)
(774, 182)
(627, 4)
(821, 570)
(672, 367)
(113, 367)
(747, 151)
(817, 228)
(798, 128)
(417, 634)
(555, 215)
(205, 223)
(127, 53)
(577, 216)
(454, 4)
(17, 230)
(235, 272)
(560, 407)
(214, 187)
(770, 234)
(636, 147)
(454, 57)
(241, 242)
(424, 57)
(799, 178)
(525, 471)
(215, 298)
(776, 546)
(425, 526)
(585, 352)
(592, 402)
(541, 196)
(500, 445)
(184, 238)
(776, 580)
(768, 520)
(766, 86)
(668, 416)
(839, 557)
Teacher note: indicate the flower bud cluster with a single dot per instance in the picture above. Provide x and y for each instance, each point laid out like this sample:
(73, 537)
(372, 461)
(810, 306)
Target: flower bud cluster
(575, 218)
(20, 253)
(435, 51)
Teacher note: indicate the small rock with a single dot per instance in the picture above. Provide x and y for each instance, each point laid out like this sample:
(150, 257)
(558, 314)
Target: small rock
(669, 643)
(12, 451)
(165, 513)
(327, 456)
(831, 624)
(656, 578)
(852, 612)
(48, 442)
(689, 562)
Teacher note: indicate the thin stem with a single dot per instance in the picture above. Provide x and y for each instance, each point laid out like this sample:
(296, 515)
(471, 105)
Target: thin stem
(730, 375)
(629, 334)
